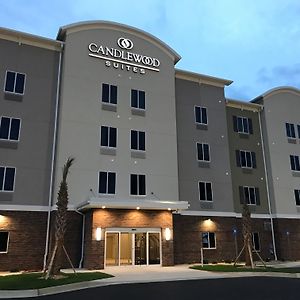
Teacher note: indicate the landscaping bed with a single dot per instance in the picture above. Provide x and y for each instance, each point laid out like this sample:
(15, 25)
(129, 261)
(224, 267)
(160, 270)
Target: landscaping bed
(30, 281)
(242, 268)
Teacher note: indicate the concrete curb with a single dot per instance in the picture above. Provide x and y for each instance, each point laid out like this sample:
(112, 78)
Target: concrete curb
(7, 294)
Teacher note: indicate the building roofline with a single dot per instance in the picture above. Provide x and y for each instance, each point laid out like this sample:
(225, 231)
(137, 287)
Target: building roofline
(276, 90)
(201, 78)
(30, 39)
(94, 24)
(243, 104)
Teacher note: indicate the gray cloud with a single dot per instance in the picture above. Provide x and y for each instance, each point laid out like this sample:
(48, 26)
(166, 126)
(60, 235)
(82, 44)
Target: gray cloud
(280, 75)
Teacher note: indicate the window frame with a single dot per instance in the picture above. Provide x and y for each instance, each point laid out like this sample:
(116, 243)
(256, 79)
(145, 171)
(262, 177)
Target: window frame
(209, 242)
(138, 138)
(7, 244)
(138, 195)
(295, 163)
(109, 94)
(4, 176)
(212, 192)
(109, 128)
(247, 120)
(195, 118)
(291, 129)
(14, 92)
(297, 191)
(197, 156)
(255, 196)
(138, 100)
(251, 159)
(107, 172)
(9, 130)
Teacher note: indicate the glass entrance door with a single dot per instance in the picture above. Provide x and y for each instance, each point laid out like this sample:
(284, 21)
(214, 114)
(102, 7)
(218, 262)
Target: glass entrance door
(140, 248)
(126, 248)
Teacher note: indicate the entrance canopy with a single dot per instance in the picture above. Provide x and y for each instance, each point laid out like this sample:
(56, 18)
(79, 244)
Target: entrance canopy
(96, 202)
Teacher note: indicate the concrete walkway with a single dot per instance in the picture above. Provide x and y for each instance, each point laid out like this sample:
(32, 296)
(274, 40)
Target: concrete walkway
(140, 274)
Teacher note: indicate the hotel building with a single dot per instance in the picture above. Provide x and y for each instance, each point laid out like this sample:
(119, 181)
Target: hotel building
(163, 161)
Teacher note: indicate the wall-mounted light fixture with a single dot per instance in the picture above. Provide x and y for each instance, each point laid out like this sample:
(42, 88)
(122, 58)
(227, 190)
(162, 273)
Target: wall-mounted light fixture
(168, 234)
(98, 234)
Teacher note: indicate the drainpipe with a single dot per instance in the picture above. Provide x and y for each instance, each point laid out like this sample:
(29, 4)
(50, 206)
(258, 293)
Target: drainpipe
(267, 186)
(53, 159)
(82, 237)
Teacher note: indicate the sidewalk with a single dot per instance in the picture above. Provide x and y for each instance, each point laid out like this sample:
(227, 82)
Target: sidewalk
(142, 274)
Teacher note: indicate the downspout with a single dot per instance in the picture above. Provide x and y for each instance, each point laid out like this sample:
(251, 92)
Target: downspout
(82, 237)
(267, 186)
(53, 159)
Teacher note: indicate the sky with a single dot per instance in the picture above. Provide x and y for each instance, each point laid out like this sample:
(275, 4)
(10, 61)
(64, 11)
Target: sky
(254, 43)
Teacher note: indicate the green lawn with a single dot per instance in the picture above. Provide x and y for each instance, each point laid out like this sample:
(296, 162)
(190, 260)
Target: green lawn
(30, 281)
(240, 268)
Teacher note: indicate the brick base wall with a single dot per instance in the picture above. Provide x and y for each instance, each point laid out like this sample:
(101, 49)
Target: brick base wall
(287, 236)
(27, 233)
(109, 218)
(72, 238)
(188, 238)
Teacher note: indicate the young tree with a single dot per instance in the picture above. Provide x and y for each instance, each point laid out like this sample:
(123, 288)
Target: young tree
(54, 265)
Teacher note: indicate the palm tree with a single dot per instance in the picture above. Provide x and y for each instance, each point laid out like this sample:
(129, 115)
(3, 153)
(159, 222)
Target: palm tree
(54, 265)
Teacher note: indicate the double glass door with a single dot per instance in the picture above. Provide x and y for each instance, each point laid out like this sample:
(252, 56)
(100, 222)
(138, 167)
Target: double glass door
(127, 248)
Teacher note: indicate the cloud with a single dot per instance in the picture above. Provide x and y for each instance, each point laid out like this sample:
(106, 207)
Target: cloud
(280, 75)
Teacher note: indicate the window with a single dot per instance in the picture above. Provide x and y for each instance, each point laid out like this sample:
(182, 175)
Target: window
(108, 137)
(14, 82)
(249, 195)
(201, 115)
(7, 179)
(297, 197)
(290, 130)
(109, 93)
(138, 99)
(208, 240)
(245, 159)
(107, 183)
(4, 238)
(295, 165)
(205, 191)
(203, 152)
(138, 140)
(9, 129)
(242, 125)
(137, 185)
(255, 241)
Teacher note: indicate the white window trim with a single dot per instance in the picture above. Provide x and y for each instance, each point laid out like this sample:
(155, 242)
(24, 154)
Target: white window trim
(295, 130)
(108, 147)
(109, 98)
(243, 132)
(138, 196)
(8, 139)
(1, 190)
(209, 248)
(138, 99)
(250, 187)
(5, 252)
(203, 160)
(297, 205)
(251, 160)
(106, 194)
(295, 163)
(138, 150)
(201, 115)
(14, 93)
(212, 192)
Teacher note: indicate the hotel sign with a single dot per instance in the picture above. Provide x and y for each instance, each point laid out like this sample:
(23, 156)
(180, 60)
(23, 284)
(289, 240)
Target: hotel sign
(124, 59)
